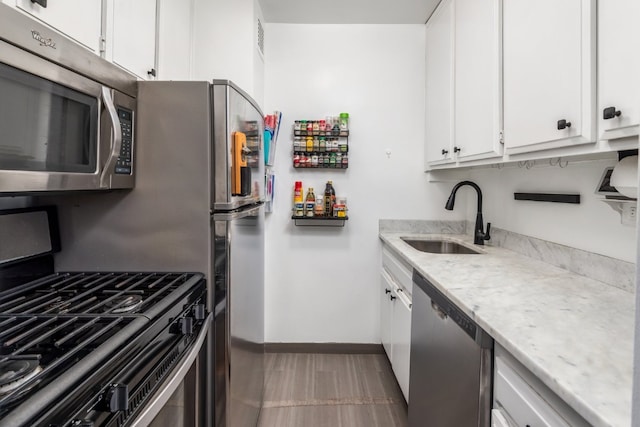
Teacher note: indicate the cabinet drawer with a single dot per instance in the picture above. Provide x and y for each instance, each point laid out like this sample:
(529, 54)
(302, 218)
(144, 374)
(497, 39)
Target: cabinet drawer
(525, 400)
(400, 271)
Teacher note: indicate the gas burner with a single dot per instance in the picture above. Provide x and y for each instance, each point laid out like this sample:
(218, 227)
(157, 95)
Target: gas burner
(124, 303)
(14, 373)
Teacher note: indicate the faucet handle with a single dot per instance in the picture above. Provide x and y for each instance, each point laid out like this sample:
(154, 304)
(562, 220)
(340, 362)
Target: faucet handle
(487, 235)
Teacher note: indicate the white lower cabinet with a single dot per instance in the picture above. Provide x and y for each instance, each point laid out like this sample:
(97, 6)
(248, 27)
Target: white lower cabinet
(520, 399)
(401, 340)
(386, 312)
(395, 317)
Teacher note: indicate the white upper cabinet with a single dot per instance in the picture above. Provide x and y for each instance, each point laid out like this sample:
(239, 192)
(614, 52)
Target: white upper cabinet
(463, 82)
(439, 85)
(77, 19)
(549, 71)
(618, 68)
(477, 83)
(174, 39)
(131, 36)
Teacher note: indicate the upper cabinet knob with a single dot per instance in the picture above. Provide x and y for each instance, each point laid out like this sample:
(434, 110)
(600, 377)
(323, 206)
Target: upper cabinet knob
(610, 113)
(152, 72)
(563, 124)
(445, 152)
(457, 149)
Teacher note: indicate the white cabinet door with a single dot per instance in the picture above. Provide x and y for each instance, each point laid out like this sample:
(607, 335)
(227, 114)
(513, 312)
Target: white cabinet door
(548, 60)
(439, 85)
(478, 85)
(401, 338)
(133, 36)
(386, 312)
(618, 68)
(174, 39)
(80, 20)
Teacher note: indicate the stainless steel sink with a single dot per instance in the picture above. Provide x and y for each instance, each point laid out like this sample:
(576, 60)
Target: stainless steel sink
(440, 247)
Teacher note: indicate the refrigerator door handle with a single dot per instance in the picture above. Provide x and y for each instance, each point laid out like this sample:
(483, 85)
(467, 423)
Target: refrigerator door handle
(229, 216)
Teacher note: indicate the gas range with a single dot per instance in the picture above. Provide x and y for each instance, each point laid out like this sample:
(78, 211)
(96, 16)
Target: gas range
(91, 349)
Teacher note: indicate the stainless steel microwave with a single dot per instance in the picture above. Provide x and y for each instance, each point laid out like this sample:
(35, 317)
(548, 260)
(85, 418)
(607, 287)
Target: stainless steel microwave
(67, 117)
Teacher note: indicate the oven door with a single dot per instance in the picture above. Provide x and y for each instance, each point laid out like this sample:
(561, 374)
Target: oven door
(180, 401)
(60, 131)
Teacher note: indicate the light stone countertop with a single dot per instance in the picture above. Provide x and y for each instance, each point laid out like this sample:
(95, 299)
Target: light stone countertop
(572, 332)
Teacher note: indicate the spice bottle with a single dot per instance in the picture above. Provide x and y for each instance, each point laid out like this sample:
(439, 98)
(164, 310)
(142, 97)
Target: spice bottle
(344, 121)
(318, 209)
(298, 201)
(329, 198)
(309, 203)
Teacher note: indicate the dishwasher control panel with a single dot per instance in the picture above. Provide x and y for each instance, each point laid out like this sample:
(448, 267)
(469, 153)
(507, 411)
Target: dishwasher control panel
(446, 308)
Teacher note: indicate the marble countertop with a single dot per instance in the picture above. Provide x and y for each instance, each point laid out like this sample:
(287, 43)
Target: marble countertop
(572, 332)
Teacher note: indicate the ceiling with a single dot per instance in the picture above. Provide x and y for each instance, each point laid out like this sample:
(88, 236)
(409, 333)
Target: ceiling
(348, 11)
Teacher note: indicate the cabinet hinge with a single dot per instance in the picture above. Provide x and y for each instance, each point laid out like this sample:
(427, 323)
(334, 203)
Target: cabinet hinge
(501, 137)
(103, 44)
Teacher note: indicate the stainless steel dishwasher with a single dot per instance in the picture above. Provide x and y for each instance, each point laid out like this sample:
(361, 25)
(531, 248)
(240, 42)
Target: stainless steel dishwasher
(451, 363)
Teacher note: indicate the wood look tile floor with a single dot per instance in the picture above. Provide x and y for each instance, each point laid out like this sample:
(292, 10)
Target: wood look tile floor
(332, 390)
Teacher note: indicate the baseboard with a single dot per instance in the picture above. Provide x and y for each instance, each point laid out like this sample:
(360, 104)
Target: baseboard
(324, 348)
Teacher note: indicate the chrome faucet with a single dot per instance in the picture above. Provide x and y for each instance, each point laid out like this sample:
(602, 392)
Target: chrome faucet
(479, 236)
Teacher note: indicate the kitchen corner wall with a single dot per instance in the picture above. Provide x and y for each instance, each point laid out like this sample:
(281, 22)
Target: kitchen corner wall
(322, 284)
(591, 225)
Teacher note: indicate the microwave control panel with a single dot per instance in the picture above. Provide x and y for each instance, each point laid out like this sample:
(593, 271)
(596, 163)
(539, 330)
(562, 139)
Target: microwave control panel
(123, 165)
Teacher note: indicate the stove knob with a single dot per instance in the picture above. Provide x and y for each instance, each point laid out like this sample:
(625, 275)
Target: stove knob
(117, 398)
(186, 325)
(199, 312)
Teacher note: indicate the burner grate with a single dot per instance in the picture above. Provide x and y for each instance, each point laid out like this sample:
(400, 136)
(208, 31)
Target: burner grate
(52, 343)
(91, 293)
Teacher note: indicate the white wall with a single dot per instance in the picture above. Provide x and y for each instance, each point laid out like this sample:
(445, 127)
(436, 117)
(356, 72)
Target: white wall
(224, 36)
(322, 284)
(592, 225)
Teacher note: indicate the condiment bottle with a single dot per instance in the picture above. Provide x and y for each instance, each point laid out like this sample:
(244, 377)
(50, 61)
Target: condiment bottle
(329, 198)
(310, 202)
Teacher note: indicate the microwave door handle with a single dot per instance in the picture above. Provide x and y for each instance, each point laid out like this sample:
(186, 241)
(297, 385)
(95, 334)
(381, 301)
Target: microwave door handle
(116, 143)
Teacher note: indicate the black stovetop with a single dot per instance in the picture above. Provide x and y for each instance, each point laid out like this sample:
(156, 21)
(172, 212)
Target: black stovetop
(53, 324)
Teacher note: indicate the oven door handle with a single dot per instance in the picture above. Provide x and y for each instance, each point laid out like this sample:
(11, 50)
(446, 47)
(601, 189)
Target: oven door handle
(158, 401)
(107, 171)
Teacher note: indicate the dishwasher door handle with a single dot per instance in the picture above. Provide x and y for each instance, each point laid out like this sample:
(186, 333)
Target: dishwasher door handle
(438, 310)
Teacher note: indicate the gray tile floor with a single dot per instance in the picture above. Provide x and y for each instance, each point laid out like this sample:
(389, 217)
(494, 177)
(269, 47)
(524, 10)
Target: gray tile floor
(332, 390)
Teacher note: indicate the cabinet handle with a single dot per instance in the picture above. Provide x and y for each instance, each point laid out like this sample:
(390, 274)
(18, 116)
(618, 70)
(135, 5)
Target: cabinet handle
(457, 149)
(445, 152)
(42, 3)
(387, 291)
(391, 297)
(563, 124)
(610, 113)
(152, 72)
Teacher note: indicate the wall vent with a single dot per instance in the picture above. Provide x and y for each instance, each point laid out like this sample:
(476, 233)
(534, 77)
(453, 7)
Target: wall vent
(260, 36)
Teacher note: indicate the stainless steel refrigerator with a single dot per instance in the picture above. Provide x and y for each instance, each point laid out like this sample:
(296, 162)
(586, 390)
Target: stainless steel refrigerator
(196, 206)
